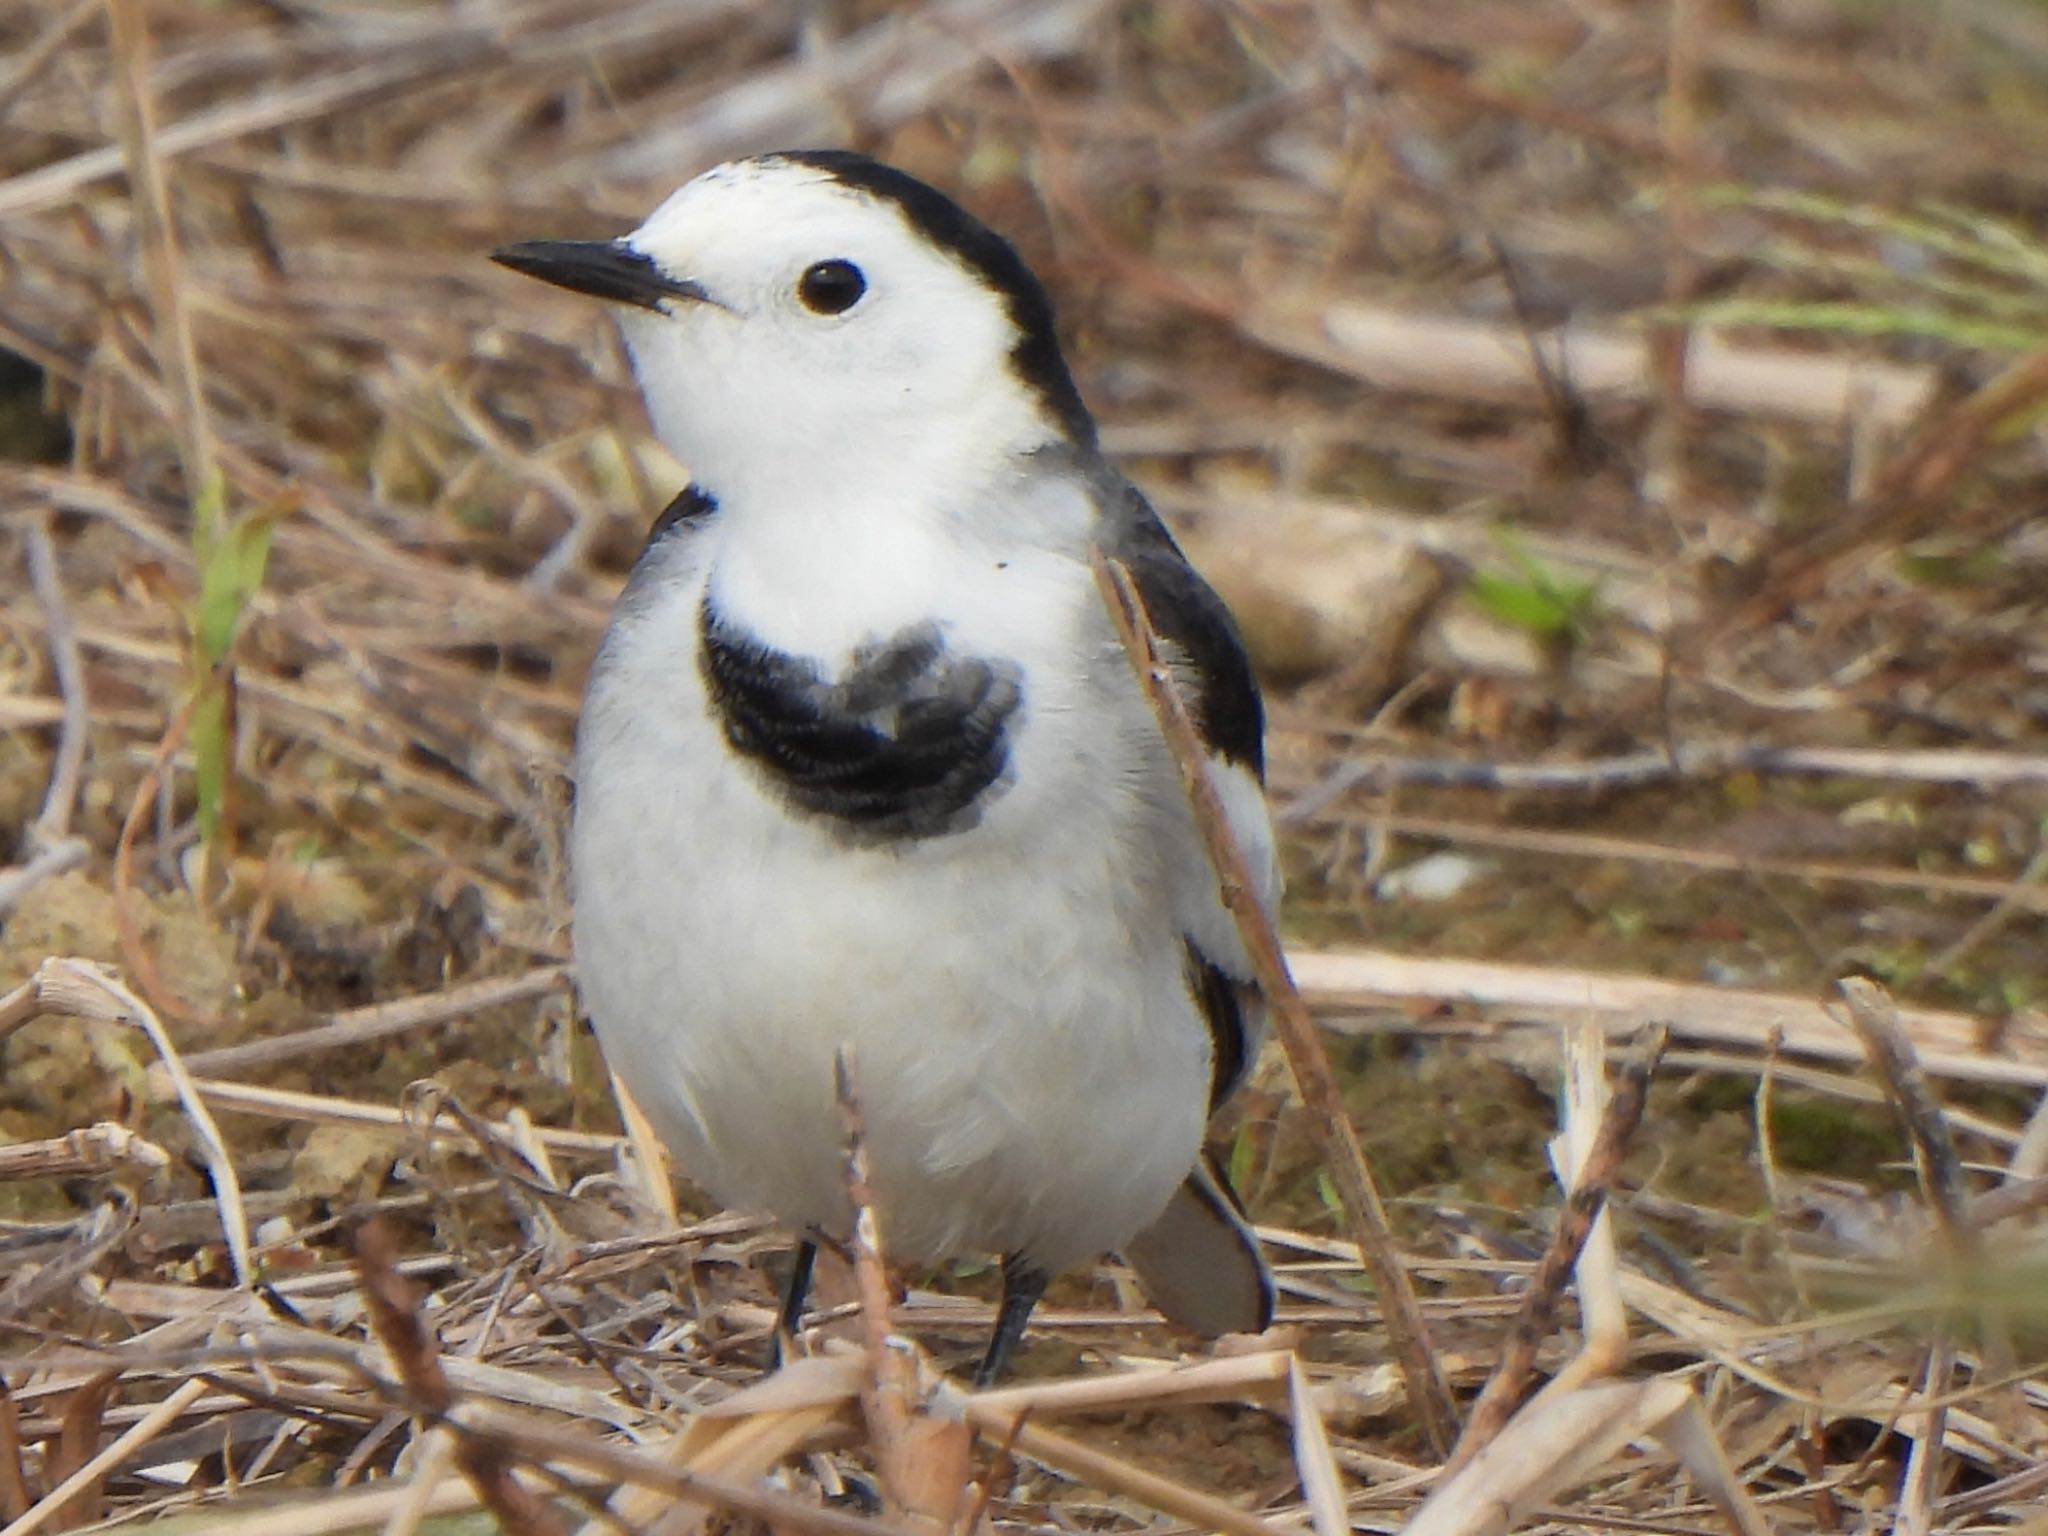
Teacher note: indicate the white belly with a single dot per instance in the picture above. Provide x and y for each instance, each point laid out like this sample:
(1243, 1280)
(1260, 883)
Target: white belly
(1032, 1071)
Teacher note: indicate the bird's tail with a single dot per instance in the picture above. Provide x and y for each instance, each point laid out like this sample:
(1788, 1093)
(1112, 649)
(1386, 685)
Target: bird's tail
(1200, 1262)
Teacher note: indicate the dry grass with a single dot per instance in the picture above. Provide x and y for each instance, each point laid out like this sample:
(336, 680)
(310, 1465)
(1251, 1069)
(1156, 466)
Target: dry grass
(1721, 658)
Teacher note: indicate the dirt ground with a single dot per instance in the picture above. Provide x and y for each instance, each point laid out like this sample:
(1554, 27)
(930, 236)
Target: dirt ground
(1617, 427)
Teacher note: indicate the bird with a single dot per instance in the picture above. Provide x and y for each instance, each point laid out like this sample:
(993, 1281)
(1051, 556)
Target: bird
(861, 762)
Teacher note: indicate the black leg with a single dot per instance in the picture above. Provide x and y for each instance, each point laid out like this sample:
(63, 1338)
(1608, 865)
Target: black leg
(791, 1317)
(1022, 1286)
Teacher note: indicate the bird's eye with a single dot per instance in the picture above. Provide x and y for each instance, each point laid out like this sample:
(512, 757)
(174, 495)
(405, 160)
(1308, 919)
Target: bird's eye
(831, 287)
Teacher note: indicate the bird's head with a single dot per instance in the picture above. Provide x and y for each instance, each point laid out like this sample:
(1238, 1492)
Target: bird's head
(818, 314)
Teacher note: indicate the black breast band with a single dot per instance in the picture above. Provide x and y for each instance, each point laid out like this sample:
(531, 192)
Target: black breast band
(909, 742)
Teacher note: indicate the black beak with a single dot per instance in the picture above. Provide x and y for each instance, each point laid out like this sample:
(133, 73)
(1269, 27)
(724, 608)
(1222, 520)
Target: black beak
(604, 269)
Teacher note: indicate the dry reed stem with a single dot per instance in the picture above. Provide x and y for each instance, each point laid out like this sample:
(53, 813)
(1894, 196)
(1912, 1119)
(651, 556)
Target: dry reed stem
(90, 1239)
(126, 927)
(1477, 360)
(320, 1109)
(1270, 1376)
(92, 1150)
(1669, 346)
(149, 195)
(93, 1473)
(1926, 466)
(1602, 1312)
(738, 1450)
(436, 1455)
(902, 62)
(1510, 1379)
(30, 62)
(1564, 1437)
(57, 183)
(1261, 1377)
(1876, 1021)
(393, 1304)
(650, 1167)
(60, 858)
(547, 1444)
(14, 1492)
(922, 1460)
(1322, 1485)
(81, 989)
(1579, 845)
(1948, 1044)
(1098, 1469)
(377, 1021)
(1914, 1515)
(2029, 1158)
(1429, 1396)
(60, 638)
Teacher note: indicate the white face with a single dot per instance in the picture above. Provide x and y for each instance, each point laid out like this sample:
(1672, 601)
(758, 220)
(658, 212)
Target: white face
(891, 360)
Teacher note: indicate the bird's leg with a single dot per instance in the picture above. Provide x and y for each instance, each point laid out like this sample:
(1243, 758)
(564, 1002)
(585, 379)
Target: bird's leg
(791, 1315)
(1022, 1286)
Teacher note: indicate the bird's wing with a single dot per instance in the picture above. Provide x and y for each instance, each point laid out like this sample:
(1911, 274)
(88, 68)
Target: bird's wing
(1199, 1261)
(1216, 678)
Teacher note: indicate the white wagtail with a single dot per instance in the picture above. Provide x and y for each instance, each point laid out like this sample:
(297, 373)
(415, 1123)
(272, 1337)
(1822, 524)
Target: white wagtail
(862, 761)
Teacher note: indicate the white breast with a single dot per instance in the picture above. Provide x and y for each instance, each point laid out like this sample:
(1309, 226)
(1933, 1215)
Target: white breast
(1032, 1069)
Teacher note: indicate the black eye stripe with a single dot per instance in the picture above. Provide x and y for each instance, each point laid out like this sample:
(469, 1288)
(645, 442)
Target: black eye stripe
(831, 287)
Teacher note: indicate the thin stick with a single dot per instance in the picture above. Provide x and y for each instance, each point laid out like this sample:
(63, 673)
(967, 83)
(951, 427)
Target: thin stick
(177, 358)
(88, 1241)
(1669, 346)
(320, 1109)
(1922, 1477)
(907, 1444)
(144, 1430)
(1429, 1397)
(1631, 770)
(53, 822)
(393, 1304)
(94, 1149)
(29, 64)
(1578, 845)
(358, 1026)
(1496, 1403)
(1876, 1020)
(1099, 1469)
(53, 861)
(126, 927)
(68, 986)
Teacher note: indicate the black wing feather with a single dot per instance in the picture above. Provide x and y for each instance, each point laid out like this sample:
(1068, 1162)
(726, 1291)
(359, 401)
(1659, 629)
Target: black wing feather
(1189, 615)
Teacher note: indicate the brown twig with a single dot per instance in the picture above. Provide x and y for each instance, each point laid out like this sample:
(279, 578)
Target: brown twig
(923, 1460)
(1684, 60)
(53, 821)
(1510, 1379)
(14, 1493)
(149, 194)
(79, 1484)
(88, 1241)
(1876, 1021)
(126, 926)
(82, 989)
(18, 880)
(393, 1303)
(358, 1026)
(1429, 1396)
(29, 65)
(93, 1149)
